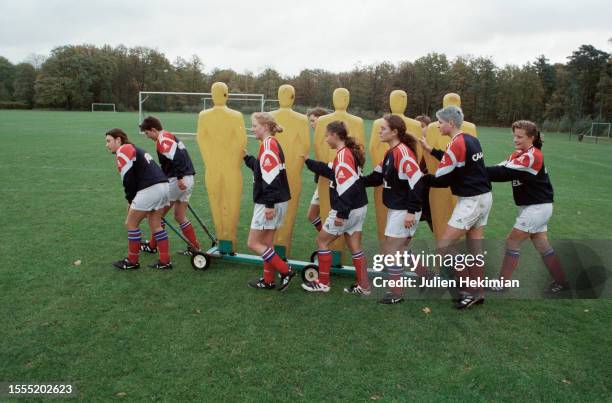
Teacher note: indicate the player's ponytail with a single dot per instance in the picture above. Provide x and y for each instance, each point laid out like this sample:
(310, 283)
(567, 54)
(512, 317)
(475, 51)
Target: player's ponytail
(339, 128)
(397, 123)
(538, 142)
(266, 119)
(117, 133)
(531, 130)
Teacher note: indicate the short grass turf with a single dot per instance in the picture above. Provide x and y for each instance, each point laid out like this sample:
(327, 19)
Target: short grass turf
(186, 335)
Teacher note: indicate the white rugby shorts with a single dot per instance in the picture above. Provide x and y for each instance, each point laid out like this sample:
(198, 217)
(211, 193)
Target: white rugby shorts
(352, 224)
(178, 194)
(259, 217)
(534, 218)
(395, 224)
(471, 212)
(153, 198)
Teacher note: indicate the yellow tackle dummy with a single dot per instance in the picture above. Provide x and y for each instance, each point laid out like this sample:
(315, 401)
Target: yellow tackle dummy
(295, 142)
(222, 138)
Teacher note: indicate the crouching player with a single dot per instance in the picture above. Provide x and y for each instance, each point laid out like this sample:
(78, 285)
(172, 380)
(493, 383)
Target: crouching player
(462, 168)
(533, 194)
(271, 196)
(400, 175)
(349, 202)
(178, 168)
(146, 190)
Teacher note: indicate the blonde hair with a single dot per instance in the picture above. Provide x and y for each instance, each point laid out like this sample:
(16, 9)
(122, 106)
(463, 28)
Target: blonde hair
(266, 119)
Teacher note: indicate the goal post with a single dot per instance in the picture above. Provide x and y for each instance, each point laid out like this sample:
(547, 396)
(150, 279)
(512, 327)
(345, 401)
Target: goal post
(600, 129)
(182, 107)
(597, 131)
(103, 107)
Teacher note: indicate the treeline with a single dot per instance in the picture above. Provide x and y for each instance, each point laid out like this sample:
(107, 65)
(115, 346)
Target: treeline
(559, 96)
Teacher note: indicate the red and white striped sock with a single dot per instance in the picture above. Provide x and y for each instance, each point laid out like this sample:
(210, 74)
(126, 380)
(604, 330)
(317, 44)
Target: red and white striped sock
(268, 272)
(395, 275)
(275, 261)
(553, 264)
(162, 246)
(189, 233)
(153, 241)
(325, 261)
(134, 237)
(361, 269)
(510, 263)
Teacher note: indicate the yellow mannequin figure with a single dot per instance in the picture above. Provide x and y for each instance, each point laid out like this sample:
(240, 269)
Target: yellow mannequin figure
(398, 101)
(341, 99)
(441, 201)
(222, 138)
(295, 141)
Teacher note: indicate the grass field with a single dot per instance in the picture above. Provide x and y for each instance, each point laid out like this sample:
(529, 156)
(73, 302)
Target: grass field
(186, 335)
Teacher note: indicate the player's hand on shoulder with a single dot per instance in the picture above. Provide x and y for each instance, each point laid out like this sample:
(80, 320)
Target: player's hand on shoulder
(426, 146)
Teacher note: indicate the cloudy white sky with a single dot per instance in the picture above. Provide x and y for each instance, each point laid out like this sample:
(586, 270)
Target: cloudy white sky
(292, 35)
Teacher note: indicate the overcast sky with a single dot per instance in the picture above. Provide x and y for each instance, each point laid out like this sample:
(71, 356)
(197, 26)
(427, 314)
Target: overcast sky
(290, 35)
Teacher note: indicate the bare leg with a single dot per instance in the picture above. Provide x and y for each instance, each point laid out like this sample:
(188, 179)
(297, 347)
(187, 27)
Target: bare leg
(314, 217)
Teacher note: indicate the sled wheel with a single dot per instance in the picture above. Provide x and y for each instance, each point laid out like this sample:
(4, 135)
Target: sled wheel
(200, 261)
(310, 273)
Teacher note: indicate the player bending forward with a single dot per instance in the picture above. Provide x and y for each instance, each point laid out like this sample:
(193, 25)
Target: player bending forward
(178, 168)
(146, 190)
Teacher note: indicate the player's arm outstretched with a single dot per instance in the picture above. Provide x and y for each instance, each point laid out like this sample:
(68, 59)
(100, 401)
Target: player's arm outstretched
(250, 161)
(376, 178)
(320, 168)
(523, 168)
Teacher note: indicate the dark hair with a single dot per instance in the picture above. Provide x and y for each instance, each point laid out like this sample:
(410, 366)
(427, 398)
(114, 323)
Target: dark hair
(424, 119)
(149, 123)
(339, 128)
(118, 133)
(531, 130)
(317, 112)
(397, 123)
